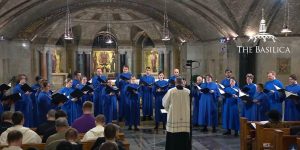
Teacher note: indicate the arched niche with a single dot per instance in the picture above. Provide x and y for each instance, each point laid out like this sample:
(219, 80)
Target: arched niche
(104, 53)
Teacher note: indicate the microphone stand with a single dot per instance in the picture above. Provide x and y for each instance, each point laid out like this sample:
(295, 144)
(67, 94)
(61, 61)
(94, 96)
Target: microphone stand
(189, 64)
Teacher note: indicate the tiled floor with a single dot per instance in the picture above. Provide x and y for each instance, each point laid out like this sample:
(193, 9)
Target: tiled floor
(149, 139)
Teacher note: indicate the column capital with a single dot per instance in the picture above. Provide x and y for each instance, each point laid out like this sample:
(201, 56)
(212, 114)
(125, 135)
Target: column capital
(49, 48)
(124, 49)
(161, 49)
(85, 49)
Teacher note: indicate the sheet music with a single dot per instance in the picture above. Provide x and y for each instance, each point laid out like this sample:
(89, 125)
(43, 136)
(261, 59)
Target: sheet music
(198, 87)
(261, 122)
(290, 93)
(221, 91)
(241, 94)
(276, 87)
(90, 81)
(222, 86)
(163, 111)
(235, 89)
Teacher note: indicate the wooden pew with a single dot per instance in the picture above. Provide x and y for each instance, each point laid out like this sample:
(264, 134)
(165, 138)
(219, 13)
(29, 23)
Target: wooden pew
(265, 136)
(87, 145)
(283, 142)
(247, 134)
(37, 146)
(298, 142)
(120, 136)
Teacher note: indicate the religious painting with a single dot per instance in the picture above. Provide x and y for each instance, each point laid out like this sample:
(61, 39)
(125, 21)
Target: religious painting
(56, 62)
(283, 65)
(106, 60)
(151, 60)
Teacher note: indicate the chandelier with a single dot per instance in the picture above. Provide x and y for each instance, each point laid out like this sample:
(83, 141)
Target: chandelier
(108, 37)
(166, 32)
(68, 35)
(262, 35)
(286, 29)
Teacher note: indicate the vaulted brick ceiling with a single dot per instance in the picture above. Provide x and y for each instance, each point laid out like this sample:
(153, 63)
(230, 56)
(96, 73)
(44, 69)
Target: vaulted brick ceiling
(205, 19)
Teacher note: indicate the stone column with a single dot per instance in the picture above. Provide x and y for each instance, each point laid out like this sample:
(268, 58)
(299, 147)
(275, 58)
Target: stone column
(88, 61)
(43, 62)
(48, 51)
(161, 50)
(79, 61)
(125, 56)
(129, 58)
(167, 65)
(122, 58)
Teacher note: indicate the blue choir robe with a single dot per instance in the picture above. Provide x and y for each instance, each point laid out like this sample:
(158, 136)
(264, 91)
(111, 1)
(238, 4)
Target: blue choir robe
(276, 98)
(44, 105)
(132, 112)
(147, 95)
(247, 107)
(1, 108)
(158, 96)
(121, 84)
(230, 112)
(259, 109)
(1, 104)
(208, 106)
(72, 108)
(292, 107)
(109, 106)
(75, 83)
(36, 89)
(98, 101)
(24, 105)
(196, 97)
(171, 81)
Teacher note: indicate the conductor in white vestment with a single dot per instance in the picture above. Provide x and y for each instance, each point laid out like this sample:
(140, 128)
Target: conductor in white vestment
(177, 103)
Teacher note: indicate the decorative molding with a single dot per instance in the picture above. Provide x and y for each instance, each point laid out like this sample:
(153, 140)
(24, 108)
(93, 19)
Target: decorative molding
(84, 49)
(124, 49)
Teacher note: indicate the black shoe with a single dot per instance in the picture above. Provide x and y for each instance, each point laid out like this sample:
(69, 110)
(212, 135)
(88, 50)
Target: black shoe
(156, 126)
(204, 130)
(214, 130)
(120, 119)
(144, 118)
(129, 128)
(136, 129)
(150, 118)
(227, 133)
(164, 126)
(236, 134)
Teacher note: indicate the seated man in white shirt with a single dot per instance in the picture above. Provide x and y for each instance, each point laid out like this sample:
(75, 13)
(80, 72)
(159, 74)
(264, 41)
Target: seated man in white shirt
(97, 131)
(29, 136)
(14, 140)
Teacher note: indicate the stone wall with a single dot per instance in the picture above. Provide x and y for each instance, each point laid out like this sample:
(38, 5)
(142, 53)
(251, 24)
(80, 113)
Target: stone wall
(15, 58)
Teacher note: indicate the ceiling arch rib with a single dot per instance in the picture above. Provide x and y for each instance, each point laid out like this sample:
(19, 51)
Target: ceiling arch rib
(153, 10)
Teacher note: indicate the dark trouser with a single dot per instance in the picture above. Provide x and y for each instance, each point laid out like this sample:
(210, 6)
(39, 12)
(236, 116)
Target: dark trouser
(178, 141)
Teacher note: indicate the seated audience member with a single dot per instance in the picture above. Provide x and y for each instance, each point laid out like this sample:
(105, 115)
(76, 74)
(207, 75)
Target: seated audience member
(274, 120)
(14, 140)
(87, 120)
(41, 129)
(6, 121)
(64, 145)
(110, 132)
(62, 126)
(29, 136)
(72, 137)
(52, 130)
(109, 146)
(96, 132)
